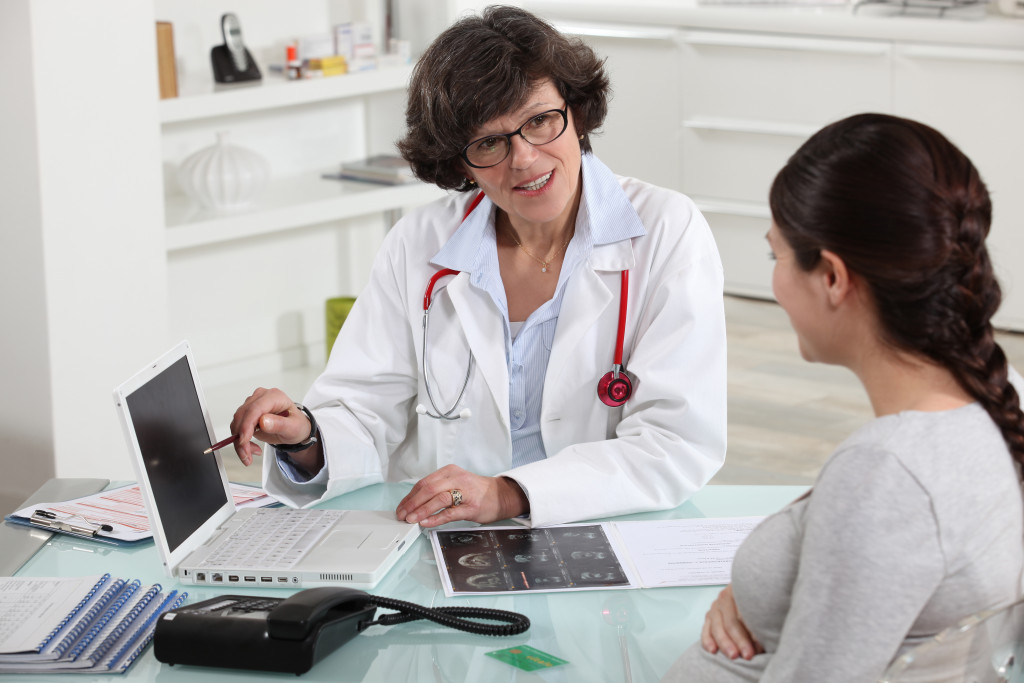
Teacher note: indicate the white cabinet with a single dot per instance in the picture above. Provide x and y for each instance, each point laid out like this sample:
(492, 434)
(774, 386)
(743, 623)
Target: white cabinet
(749, 100)
(640, 136)
(975, 96)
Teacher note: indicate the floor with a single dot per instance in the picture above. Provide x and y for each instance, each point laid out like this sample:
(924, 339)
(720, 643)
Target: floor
(785, 415)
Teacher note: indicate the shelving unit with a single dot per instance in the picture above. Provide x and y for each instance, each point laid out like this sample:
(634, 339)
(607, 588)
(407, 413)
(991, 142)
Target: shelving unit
(202, 98)
(289, 203)
(303, 240)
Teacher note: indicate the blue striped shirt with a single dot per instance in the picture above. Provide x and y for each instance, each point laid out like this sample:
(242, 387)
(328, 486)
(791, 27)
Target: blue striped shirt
(605, 216)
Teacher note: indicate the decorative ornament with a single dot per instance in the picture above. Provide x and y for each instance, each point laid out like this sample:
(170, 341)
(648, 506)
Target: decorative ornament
(223, 176)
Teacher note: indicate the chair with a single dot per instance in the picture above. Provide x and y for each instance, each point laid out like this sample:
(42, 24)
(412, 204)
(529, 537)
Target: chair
(987, 647)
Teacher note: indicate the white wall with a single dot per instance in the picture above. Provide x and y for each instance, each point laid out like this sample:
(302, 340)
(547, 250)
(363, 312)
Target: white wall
(82, 203)
(25, 405)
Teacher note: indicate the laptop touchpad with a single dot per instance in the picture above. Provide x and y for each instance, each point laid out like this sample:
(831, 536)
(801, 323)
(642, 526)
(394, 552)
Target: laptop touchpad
(346, 538)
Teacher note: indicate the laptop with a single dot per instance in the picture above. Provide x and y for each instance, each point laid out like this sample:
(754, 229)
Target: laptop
(202, 538)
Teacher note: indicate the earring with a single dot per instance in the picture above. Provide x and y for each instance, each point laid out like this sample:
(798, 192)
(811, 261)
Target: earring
(581, 137)
(470, 181)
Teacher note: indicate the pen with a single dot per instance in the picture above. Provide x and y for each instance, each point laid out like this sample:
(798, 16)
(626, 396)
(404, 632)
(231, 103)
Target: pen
(220, 444)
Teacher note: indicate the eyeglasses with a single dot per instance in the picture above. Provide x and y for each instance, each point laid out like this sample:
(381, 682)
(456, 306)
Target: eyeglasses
(539, 130)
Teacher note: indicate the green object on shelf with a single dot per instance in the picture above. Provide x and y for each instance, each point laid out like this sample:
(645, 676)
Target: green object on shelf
(336, 310)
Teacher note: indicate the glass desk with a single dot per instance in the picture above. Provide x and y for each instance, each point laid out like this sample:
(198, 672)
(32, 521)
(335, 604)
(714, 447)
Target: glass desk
(610, 635)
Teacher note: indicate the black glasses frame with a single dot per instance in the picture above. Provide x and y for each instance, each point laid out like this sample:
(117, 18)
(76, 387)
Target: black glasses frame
(518, 131)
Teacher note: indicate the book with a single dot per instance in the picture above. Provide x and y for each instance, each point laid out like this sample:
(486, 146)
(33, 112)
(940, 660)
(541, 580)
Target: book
(166, 67)
(93, 624)
(116, 516)
(596, 556)
(386, 169)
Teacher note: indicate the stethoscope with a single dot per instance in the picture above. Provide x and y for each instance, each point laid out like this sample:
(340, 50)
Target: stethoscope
(614, 389)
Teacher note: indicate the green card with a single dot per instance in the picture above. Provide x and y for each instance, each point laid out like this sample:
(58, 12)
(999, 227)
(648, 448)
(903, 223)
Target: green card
(526, 658)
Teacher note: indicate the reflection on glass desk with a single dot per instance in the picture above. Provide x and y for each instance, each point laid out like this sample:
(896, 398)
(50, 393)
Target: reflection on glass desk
(602, 634)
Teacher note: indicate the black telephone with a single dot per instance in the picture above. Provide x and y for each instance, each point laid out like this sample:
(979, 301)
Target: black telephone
(231, 61)
(292, 634)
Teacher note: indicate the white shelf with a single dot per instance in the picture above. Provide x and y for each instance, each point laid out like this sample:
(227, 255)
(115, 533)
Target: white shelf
(288, 203)
(202, 98)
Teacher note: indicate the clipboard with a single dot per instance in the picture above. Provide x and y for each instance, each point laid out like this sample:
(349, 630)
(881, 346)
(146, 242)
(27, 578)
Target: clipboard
(72, 525)
(114, 516)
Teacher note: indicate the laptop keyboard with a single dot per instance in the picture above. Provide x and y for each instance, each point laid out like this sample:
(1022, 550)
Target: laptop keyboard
(275, 538)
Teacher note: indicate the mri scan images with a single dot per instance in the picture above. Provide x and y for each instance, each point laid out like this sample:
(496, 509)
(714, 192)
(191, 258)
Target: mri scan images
(519, 559)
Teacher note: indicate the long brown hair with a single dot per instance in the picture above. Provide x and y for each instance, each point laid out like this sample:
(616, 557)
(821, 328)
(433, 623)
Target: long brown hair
(907, 212)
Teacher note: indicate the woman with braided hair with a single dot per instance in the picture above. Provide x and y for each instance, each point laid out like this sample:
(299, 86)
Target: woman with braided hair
(916, 520)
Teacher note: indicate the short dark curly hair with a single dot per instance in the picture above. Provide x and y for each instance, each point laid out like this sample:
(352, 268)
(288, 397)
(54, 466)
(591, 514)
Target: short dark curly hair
(486, 66)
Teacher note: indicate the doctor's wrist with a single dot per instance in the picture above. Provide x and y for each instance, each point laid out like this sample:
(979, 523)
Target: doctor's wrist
(513, 500)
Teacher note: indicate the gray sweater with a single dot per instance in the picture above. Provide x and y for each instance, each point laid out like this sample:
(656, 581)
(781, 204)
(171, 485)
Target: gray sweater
(915, 522)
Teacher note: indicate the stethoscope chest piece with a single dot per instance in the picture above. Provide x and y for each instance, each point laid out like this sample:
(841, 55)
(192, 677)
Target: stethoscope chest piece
(615, 388)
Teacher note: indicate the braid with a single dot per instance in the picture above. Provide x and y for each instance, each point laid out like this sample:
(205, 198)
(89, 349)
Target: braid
(969, 348)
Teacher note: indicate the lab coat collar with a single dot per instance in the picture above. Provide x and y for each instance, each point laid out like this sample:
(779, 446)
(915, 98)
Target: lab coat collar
(606, 217)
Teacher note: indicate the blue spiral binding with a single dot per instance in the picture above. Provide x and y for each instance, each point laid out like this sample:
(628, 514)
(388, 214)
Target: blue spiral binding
(85, 622)
(126, 593)
(73, 613)
(173, 601)
(127, 621)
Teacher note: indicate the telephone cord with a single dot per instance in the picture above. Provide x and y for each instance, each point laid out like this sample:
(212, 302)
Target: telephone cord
(452, 617)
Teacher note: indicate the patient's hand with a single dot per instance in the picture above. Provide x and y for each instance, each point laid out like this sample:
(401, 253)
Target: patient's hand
(725, 631)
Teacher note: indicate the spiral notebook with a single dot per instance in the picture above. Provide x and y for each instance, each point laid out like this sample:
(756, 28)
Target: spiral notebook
(93, 625)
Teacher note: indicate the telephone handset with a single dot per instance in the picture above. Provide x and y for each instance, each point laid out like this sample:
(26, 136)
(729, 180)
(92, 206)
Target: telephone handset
(292, 634)
(231, 61)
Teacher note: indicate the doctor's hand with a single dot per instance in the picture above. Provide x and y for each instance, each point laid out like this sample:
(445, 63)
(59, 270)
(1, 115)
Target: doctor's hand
(270, 416)
(483, 499)
(724, 629)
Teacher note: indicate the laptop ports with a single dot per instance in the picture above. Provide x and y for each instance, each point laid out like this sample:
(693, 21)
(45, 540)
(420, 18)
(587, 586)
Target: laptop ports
(250, 579)
(200, 576)
(232, 578)
(217, 578)
(266, 579)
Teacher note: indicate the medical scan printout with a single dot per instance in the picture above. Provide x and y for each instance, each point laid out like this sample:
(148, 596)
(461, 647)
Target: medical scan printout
(685, 552)
(609, 555)
(495, 560)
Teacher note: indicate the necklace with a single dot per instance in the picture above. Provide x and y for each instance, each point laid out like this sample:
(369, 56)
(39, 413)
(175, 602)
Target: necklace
(543, 264)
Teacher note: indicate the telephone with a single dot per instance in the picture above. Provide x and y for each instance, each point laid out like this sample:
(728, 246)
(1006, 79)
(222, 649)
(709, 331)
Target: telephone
(292, 634)
(231, 61)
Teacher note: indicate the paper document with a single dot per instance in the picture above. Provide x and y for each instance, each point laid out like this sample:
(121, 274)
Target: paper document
(608, 555)
(121, 509)
(685, 552)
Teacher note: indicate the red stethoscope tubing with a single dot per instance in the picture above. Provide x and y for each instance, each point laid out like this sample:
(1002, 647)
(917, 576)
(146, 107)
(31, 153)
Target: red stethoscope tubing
(448, 271)
(621, 334)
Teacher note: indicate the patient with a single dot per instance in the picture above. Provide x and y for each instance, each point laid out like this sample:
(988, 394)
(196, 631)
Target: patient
(916, 520)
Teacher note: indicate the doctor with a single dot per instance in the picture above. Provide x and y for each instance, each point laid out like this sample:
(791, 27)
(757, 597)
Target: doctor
(548, 342)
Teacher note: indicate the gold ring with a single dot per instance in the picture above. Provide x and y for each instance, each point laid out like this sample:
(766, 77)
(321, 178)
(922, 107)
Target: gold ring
(456, 497)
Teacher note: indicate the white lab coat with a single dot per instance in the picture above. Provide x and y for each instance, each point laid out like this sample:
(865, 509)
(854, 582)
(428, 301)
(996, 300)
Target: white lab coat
(653, 453)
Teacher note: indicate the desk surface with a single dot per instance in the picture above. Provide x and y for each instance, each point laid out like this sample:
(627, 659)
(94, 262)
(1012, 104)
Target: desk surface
(600, 633)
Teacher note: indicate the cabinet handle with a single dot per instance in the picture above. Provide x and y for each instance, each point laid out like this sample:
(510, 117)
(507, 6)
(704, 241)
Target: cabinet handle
(970, 54)
(655, 33)
(794, 130)
(769, 42)
(727, 208)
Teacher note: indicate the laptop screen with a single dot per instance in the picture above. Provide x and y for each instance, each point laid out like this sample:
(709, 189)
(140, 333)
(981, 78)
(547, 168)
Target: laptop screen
(171, 431)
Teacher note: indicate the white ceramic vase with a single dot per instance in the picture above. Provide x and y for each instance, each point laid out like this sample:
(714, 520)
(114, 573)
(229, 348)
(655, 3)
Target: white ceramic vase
(223, 176)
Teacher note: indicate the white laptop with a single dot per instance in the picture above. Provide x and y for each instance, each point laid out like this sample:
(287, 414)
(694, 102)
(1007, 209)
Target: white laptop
(193, 516)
